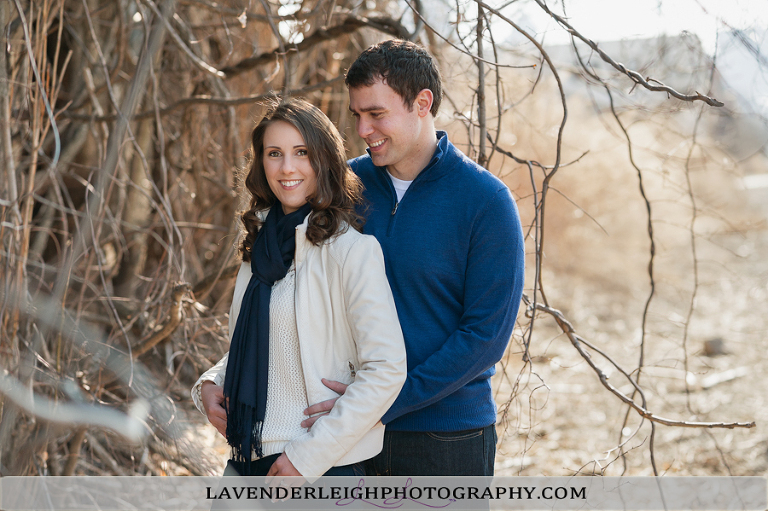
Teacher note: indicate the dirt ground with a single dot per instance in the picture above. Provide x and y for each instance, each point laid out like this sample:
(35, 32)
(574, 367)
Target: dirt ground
(564, 421)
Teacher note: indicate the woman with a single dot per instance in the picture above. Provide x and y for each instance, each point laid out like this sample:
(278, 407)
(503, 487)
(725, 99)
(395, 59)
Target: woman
(311, 305)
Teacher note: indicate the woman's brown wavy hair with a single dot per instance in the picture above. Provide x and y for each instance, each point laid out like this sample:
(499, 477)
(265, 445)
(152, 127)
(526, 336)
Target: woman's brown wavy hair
(338, 192)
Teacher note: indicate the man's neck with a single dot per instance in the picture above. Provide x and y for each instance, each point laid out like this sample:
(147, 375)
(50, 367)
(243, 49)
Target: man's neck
(417, 162)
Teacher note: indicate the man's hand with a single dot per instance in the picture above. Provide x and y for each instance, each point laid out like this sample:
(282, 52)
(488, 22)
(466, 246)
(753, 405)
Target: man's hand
(212, 396)
(323, 407)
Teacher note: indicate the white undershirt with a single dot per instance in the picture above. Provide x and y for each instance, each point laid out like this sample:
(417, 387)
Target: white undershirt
(400, 186)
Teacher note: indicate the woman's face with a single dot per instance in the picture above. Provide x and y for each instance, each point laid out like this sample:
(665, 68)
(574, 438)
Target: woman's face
(286, 164)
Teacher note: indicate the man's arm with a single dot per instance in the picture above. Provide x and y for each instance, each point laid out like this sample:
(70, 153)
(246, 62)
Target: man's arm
(493, 289)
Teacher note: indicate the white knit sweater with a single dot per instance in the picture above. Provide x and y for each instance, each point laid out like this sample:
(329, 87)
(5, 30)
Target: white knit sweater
(286, 391)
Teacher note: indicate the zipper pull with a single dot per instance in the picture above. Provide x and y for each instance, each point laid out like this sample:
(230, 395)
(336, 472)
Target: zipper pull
(394, 210)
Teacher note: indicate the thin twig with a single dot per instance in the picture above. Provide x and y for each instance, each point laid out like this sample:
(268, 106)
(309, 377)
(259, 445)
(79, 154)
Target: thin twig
(351, 24)
(482, 158)
(40, 86)
(200, 63)
(463, 51)
(633, 75)
(577, 342)
(207, 100)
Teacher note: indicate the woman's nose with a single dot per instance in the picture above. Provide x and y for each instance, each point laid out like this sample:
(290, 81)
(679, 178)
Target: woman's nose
(287, 166)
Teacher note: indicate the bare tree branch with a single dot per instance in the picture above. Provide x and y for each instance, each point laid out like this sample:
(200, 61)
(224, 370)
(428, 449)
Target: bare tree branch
(208, 100)
(172, 322)
(476, 58)
(181, 44)
(633, 75)
(130, 425)
(577, 341)
(350, 24)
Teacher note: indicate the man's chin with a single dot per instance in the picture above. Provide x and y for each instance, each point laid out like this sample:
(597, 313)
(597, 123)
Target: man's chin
(379, 160)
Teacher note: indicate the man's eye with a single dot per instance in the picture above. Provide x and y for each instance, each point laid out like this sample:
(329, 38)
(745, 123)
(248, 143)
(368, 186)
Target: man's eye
(377, 115)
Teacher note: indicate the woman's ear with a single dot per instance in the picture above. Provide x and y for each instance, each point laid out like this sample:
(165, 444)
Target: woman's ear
(423, 102)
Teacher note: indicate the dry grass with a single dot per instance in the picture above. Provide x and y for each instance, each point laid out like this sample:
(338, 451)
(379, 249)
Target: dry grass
(560, 420)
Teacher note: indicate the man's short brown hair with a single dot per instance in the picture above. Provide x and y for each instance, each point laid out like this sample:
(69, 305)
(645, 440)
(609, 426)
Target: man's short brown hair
(405, 66)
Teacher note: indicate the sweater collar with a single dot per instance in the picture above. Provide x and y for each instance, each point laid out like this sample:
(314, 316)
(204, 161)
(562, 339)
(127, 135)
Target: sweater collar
(433, 170)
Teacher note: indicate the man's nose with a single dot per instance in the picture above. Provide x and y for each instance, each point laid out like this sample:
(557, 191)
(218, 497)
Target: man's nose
(364, 128)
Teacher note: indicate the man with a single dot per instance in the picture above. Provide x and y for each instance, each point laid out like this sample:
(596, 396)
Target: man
(453, 248)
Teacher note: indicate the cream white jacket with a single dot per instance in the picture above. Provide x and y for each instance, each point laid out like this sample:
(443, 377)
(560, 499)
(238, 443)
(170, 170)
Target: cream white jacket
(348, 332)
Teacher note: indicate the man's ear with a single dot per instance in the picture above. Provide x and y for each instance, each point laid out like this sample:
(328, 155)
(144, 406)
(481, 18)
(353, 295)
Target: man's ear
(424, 102)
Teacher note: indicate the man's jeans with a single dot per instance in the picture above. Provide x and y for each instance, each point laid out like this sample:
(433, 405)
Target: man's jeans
(416, 453)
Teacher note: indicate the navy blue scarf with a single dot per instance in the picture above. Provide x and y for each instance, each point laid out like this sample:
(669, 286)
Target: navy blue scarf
(245, 384)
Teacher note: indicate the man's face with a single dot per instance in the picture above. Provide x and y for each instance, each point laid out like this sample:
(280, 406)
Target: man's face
(392, 131)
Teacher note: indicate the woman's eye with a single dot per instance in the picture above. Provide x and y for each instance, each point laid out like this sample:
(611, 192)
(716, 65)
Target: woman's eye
(302, 152)
(273, 154)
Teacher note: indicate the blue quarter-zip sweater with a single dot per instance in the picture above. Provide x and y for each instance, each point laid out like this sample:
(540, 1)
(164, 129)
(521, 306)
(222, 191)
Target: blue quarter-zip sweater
(453, 248)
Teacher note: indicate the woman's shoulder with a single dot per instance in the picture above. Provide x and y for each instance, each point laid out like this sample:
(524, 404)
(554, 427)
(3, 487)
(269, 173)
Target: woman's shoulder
(350, 240)
(345, 237)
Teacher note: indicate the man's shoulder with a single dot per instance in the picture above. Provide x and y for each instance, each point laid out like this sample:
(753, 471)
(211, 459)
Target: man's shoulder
(364, 168)
(362, 164)
(472, 175)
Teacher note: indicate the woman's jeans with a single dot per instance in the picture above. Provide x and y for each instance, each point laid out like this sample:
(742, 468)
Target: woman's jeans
(261, 466)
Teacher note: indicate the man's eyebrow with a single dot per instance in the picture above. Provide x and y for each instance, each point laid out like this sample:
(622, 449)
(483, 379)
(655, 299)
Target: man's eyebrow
(367, 109)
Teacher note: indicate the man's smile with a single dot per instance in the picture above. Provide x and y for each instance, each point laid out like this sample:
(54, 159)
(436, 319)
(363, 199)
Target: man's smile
(374, 145)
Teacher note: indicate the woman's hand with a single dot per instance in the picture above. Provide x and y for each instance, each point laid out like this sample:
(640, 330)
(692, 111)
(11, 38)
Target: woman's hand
(281, 469)
(212, 397)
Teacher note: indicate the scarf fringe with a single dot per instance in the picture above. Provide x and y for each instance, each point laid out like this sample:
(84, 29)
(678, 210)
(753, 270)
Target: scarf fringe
(244, 445)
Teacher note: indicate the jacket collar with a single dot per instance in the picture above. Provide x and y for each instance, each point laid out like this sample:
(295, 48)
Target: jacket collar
(301, 241)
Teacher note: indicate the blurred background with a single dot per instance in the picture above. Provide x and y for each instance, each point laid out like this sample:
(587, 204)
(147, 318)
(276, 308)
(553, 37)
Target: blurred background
(632, 135)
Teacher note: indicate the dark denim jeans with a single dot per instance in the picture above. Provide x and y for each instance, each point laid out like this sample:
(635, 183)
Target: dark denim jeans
(261, 466)
(416, 453)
